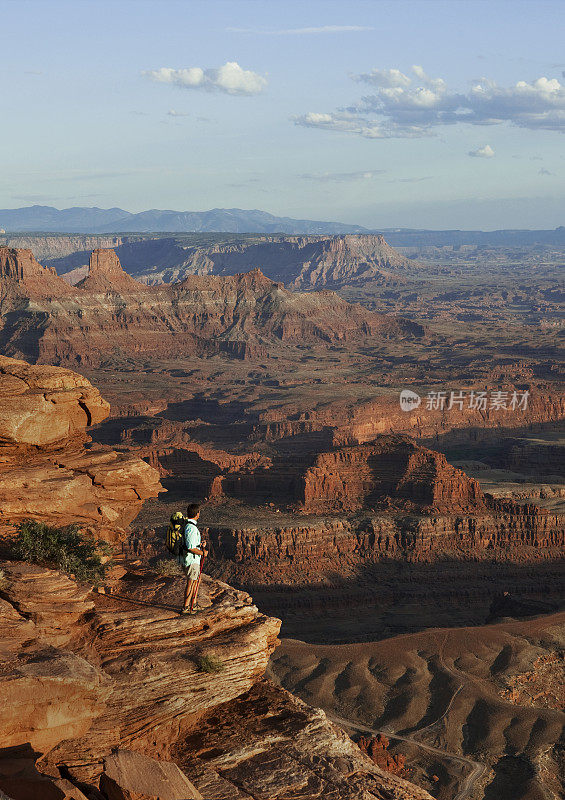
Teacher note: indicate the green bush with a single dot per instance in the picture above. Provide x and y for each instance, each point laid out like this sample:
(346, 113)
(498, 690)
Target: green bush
(63, 548)
(208, 662)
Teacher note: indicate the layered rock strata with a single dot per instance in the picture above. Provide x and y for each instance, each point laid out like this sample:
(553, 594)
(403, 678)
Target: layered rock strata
(305, 262)
(517, 533)
(298, 261)
(45, 469)
(391, 468)
(108, 315)
(128, 673)
(239, 752)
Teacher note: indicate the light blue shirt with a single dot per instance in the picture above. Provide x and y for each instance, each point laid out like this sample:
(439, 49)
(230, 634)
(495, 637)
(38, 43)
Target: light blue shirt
(192, 539)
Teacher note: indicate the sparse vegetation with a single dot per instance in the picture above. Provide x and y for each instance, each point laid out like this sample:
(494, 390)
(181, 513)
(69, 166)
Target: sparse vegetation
(209, 662)
(64, 548)
(167, 567)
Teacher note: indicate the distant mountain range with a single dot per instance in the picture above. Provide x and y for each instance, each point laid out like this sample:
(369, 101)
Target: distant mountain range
(116, 220)
(46, 219)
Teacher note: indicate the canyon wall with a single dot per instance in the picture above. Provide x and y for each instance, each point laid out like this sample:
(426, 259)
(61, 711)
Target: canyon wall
(305, 262)
(108, 315)
(315, 549)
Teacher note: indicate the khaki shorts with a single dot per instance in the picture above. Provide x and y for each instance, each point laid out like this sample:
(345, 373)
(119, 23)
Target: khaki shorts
(192, 571)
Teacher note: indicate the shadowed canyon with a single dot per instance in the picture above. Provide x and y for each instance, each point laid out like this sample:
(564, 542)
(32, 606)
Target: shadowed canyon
(408, 558)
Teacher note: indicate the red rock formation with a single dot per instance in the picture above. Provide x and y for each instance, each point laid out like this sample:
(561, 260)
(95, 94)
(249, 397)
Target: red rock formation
(129, 638)
(45, 469)
(131, 776)
(105, 274)
(283, 552)
(126, 674)
(391, 468)
(269, 744)
(376, 748)
(21, 274)
(240, 315)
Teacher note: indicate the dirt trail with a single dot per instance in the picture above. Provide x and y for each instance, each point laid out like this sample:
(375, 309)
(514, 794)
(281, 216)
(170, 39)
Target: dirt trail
(477, 769)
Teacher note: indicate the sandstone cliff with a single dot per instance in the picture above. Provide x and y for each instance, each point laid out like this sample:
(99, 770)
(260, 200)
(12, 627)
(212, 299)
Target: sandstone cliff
(84, 674)
(306, 262)
(45, 469)
(109, 316)
(389, 469)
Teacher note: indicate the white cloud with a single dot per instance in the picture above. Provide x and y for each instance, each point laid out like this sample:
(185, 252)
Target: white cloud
(229, 79)
(544, 171)
(418, 71)
(173, 113)
(402, 106)
(485, 151)
(303, 31)
(346, 122)
(385, 78)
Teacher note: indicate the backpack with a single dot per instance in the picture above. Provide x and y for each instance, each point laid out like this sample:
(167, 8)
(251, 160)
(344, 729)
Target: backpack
(174, 538)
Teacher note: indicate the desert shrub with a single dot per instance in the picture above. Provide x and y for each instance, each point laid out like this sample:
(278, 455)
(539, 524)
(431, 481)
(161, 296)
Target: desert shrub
(64, 548)
(209, 662)
(167, 567)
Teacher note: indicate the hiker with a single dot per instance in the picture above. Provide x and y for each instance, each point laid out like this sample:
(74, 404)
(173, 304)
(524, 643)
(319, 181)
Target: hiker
(190, 557)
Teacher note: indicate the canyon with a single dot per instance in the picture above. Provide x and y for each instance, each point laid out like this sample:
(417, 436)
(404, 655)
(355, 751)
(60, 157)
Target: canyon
(390, 543)
(98, 684)
(243, 315)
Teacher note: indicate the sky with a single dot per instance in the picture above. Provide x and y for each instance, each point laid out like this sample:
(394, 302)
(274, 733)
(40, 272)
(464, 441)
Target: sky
(412, 113)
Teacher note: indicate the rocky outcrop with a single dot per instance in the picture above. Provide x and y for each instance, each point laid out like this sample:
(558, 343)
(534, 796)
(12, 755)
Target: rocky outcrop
(21, 276)
(241, 752)
(390, 469)
(49, 692)
(109, 316)
(105, 274)
(126, 672)
(111, 647)
(46, 470)
(305, 262)
(131, 776)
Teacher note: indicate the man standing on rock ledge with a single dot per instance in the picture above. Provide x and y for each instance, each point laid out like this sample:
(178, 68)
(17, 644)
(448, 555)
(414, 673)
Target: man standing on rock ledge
(190, 557)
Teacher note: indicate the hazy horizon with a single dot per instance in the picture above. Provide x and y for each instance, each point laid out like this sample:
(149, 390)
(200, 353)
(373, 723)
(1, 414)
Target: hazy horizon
(251, 210)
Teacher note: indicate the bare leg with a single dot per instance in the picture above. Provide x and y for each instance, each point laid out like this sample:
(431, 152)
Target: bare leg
(189, 591)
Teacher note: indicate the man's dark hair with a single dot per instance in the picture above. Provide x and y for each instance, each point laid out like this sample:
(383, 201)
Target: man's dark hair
(192, 510)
